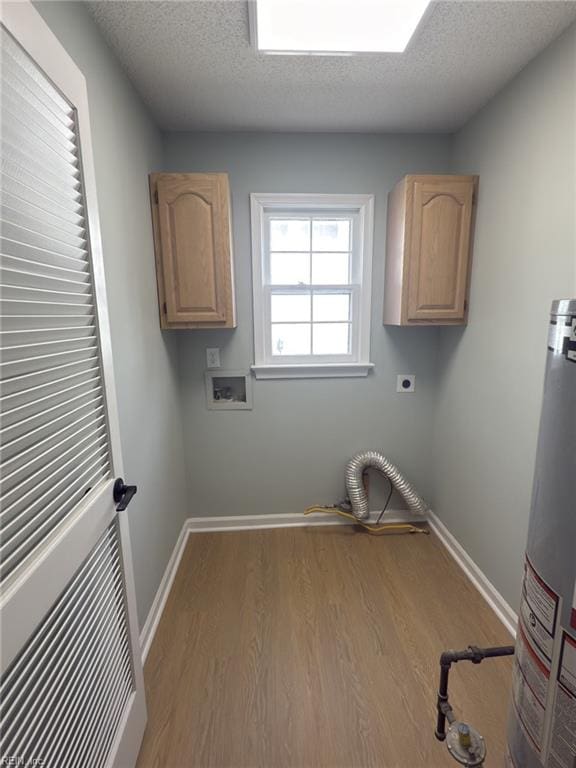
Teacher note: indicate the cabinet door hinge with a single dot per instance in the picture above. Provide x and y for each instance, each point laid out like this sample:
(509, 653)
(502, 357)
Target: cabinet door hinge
(156, 196)
(164, 309)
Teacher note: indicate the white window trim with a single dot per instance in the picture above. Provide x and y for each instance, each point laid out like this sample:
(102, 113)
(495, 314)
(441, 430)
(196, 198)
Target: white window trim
(363, 206)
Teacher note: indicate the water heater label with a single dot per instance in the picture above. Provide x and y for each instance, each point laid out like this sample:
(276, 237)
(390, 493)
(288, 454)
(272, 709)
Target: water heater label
(530, 712)
(571, 343)
(567, 670)
(562, 338)
(562, 752)
(535, 672)
(539, 611)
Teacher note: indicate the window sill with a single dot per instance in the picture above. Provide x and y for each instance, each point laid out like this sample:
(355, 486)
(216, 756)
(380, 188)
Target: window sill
(312, 371)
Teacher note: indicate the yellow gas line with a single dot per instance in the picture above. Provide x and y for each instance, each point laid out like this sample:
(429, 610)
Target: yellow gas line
(377, 530)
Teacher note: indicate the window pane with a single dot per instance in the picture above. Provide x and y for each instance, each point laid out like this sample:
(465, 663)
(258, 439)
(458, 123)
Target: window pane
(330, 268)
(331, 235)
(290, 308)
(332, 306)
(291, 339)
(331, 339)
(289, 268)
(289, 234)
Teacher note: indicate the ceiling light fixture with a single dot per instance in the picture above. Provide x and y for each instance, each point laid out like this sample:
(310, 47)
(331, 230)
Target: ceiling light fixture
(334, 27)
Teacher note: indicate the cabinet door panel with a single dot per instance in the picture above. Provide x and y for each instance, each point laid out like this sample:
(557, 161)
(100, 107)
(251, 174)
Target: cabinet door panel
(193, 222)
(439, 250)
(192, 242)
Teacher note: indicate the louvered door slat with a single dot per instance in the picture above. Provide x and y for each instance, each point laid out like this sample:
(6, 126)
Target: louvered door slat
(32, 533)
(109, 710)
(30, 253)
(45, 165)
(38, 405)
(32, 197)
(39, 340)
(29, 236)
(20, 386)
(25, 665)
(65, 644)
(14, 448)
(16, 490)
(64, 694)
(17, 321)
(49, 264)
(24, 518)
(13, 352)
(57, 113)
(19, 143)
(47, 305)
(54, 687)
(44, 416)
(32, 218)
(33, 336)
(33, 389)
(22, 294)
(31, 214)
(30, 110)
(62, 197)
(39, 458)
(72, 730)
(52, 107)
(14, 58)
(39, 363)
(35, 274)
(42, 166)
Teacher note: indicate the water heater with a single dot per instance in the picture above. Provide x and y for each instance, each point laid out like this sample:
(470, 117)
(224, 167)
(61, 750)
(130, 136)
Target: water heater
(542, 725)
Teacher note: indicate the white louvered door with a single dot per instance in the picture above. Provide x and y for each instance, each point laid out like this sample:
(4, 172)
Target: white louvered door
(71, 685)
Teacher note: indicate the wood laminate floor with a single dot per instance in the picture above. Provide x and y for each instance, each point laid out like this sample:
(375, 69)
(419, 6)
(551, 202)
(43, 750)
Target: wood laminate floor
(317, 648)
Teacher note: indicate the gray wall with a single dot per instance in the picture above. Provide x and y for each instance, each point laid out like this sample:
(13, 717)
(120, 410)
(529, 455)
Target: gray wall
(290, 451)
(491, 374)
(126, 147)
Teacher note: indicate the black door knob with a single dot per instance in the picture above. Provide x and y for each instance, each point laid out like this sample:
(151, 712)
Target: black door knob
(123, 494)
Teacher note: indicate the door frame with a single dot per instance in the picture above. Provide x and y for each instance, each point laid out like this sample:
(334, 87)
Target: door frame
(67, 548)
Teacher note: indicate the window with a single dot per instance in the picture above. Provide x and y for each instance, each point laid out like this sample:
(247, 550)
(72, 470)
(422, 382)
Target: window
(312, 258)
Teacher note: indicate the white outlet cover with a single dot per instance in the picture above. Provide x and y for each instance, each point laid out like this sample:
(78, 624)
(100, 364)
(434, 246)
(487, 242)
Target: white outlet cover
(406, 382)
(212, 357)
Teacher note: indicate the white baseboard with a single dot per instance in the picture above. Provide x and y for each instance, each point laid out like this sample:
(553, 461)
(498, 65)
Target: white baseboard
(298, 520)
(291, 520)
(157, 608)
(478, 578)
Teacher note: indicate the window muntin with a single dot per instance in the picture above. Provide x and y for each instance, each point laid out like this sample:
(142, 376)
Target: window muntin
(310, 286)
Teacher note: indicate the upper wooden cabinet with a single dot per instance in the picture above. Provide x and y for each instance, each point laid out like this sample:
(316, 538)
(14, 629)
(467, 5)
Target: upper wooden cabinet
(428, 250)
(194, 268)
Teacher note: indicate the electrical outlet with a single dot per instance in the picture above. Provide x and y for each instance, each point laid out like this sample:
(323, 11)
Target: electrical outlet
(406, 382)
(213, 357)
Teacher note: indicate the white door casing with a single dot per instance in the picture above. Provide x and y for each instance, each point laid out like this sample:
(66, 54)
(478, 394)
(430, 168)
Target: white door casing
(43, 580)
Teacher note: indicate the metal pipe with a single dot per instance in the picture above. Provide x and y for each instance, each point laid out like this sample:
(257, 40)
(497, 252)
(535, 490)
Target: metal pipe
(473, 654)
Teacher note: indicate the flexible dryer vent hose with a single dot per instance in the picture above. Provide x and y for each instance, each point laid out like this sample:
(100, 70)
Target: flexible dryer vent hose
(357, 493)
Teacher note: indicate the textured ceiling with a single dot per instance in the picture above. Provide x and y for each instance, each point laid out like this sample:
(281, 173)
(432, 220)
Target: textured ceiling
(193, 65)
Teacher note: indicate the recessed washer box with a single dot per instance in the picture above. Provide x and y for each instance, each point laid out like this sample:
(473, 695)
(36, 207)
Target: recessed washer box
(228, 390)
